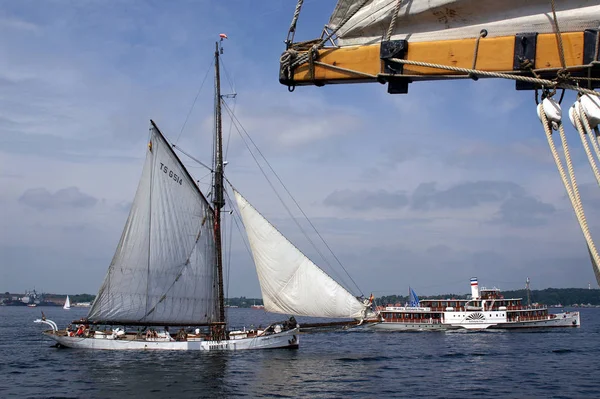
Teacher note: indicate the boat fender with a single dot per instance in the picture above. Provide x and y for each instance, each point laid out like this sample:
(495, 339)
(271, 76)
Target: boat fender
(551, 109)
(591, 107)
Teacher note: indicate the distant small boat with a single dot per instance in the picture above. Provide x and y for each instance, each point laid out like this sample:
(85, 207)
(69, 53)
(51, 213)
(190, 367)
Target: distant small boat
(32, 305)
(67, 304)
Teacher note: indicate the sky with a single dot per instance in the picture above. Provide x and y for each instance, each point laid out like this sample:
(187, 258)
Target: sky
(428, 189)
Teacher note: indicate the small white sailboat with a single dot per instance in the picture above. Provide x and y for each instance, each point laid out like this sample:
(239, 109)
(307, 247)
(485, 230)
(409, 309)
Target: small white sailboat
(167, 270)
(67, 304)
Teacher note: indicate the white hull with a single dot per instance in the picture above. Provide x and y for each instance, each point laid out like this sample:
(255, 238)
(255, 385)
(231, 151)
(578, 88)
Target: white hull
(392, 326)
(284, 339)
(568, 319)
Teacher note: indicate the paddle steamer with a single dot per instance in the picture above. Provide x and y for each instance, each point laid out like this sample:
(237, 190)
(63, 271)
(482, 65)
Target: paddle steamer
(485, 309)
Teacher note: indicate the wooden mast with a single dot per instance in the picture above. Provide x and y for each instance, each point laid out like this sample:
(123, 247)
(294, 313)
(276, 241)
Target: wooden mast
(218, 199)
(366, 63)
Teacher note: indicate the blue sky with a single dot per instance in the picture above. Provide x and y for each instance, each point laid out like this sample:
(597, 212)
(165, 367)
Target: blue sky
(453, 180)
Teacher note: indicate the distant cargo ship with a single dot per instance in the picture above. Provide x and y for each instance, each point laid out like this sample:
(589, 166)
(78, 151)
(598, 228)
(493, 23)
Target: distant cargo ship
(31, 299)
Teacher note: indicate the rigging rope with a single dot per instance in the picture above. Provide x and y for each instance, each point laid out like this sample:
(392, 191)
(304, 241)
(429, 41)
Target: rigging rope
(388, 36)
(482, 34)
(290, 59)
(194, 102)
(292, 31)
(579, 119)
(467, 71)
(561, 49)
(569, 182)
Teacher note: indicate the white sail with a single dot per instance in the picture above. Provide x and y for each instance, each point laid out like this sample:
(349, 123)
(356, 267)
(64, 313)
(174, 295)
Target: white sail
(164, 268)
(290, 282)
(431, 20)
(67, 304)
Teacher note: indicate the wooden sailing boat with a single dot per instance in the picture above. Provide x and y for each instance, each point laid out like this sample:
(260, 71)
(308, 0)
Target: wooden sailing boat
(167, 269)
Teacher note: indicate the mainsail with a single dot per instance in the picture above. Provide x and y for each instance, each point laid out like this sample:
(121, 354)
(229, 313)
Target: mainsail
(457, 19)
(290, 282)
(163, 271)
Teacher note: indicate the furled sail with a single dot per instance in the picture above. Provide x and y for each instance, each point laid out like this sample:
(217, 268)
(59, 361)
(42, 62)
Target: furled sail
(164, 267)
(434, 20)
(290, 282)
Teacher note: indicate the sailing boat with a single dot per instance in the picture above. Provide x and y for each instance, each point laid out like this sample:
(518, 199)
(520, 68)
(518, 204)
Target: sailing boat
(67, 304)
(167, 269)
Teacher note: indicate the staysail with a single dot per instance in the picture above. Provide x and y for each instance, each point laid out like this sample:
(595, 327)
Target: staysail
(290, 282)
(457, 19)
(163, 270)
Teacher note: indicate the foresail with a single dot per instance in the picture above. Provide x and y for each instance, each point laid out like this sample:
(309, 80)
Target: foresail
(434, 20)
(163, 270)
(290, 282)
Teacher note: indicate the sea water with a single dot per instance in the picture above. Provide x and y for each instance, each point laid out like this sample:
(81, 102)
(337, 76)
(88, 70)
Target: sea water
(549, 363)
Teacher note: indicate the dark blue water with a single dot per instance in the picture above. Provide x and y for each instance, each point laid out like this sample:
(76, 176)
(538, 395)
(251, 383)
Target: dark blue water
(553, 363)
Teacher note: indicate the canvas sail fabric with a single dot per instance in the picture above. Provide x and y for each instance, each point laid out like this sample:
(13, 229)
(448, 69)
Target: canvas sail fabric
(164, 268)
(290, 282)
(431, 20)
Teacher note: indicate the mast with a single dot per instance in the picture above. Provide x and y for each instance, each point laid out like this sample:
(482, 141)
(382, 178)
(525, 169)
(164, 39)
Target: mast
(528, 292)
(218, 199)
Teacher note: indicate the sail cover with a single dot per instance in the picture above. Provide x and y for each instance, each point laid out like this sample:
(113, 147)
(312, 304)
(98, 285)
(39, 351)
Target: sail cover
(164, 268)
(432, 20)
(289, 281)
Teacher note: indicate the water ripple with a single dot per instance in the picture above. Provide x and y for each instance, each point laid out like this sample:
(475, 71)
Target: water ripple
(365, 364)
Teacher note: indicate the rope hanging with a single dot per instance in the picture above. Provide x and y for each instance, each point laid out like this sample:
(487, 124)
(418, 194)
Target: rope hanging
(388, 36)
(582, 124)
(292, 31)
(550, 114)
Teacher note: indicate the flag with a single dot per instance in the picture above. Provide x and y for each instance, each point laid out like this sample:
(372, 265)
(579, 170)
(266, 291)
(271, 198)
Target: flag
(413, 298)
(223, 36)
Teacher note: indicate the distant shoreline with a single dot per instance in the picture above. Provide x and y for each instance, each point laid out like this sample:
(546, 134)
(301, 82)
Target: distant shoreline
(552, 297)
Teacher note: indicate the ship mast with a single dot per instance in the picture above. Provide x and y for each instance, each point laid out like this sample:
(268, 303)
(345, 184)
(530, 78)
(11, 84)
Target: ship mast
(528, 292)
(218, 199)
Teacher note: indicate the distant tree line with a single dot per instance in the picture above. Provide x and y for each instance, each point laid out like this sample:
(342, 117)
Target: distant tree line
(548, 296)
(243, 302)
